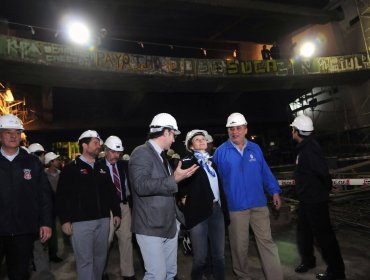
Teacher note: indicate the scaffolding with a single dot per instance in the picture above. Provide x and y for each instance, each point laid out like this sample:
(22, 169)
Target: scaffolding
(363, 9)
(9, 105)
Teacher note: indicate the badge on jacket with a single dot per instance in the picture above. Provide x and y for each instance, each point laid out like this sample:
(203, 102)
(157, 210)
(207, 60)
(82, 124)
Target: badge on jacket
(84, 171)
(251, 158)
(27, 174)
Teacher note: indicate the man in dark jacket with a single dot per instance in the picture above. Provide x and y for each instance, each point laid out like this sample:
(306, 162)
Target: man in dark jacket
(25, 200)
(118, 170)
(85, 196)
(313, 183)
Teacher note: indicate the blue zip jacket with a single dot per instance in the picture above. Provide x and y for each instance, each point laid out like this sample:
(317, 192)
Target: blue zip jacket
(245, 178)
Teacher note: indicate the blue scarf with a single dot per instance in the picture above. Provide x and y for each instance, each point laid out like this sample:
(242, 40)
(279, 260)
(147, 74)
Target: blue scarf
(203, 160)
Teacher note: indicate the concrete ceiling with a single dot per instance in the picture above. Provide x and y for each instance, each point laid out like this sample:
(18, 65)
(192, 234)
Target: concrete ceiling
(218, 24)
(204, 23)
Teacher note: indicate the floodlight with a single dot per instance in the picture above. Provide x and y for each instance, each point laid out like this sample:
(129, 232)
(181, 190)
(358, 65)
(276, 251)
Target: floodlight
(78, 32)
(307, 49)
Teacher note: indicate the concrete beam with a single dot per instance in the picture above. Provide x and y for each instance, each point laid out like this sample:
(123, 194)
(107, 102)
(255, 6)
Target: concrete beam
(241, 7)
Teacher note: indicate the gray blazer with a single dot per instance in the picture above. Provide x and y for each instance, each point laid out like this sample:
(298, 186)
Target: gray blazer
(154, 210)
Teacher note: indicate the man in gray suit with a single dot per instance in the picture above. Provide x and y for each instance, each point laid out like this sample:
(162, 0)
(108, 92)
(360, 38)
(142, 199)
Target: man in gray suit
(155, 213)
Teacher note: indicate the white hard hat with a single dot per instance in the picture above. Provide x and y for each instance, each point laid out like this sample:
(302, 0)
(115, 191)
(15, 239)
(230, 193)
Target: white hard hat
(114, 143)
(101, 155)
(209, 138)
(126, 157)
(90, 134)
(191, 134)
(163, 120)
(170, 152)
(36, 147)
(236, 119)
(303, 124)
(176, 156)
(50, 156)
(25, 148)
(10, 121)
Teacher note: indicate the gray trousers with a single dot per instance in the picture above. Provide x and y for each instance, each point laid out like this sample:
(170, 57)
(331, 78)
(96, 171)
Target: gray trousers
(90, 245)
(41, 261)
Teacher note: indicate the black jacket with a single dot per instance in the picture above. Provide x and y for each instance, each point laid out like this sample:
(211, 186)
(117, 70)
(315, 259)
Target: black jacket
(122, 167)
(199, 195)
(85, 193)
(25, 195)
(313, 181)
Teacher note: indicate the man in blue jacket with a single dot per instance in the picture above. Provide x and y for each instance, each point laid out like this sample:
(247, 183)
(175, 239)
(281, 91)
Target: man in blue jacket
(246, 177)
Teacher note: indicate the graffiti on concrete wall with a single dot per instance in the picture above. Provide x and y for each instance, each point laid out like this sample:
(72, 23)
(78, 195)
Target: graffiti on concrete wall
(31, 51)
(332, 64)
(44, 53)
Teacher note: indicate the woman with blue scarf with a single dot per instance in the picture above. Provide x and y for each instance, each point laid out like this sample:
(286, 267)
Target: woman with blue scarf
(204, 206)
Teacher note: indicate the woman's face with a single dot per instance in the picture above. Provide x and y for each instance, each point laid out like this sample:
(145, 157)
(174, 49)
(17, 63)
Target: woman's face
(199, 143)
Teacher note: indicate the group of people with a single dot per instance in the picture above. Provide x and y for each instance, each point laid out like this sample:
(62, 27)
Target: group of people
(207, 194)
(272, 53)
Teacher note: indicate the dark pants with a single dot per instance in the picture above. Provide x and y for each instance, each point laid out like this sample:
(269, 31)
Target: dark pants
(212, 229)
(53, 241)
(314, 222)
(17, 251)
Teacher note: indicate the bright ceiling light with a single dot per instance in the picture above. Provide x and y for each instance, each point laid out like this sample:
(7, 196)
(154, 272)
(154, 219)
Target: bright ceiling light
(78, 33)
(8, 96)
(307, 49)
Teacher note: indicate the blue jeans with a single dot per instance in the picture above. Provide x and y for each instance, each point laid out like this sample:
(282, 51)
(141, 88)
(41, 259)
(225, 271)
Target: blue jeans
(160, 256)
(212, 229)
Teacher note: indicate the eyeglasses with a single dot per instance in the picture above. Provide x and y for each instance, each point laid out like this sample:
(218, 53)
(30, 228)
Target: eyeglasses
(173, 133)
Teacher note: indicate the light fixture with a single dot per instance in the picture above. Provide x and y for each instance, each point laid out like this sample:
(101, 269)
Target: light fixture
(8, 96)
(235, 53)
(204, 51)
(307, 49)
(78, 32)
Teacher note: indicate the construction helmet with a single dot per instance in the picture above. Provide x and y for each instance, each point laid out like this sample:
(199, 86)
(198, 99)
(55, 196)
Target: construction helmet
(177, 156)
(209, 138)
(191, 134)
(126, 157)
(36, 147)
(163, 120)
(101, 155)
(114, 143)
(170, 152)
(303, 124)
(236, 119)
(90, 134)
(10, 121)
(50, 156)
(26, 149)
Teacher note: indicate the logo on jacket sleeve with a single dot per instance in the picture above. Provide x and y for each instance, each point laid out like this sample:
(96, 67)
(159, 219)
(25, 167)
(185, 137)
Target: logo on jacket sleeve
(27, 174)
